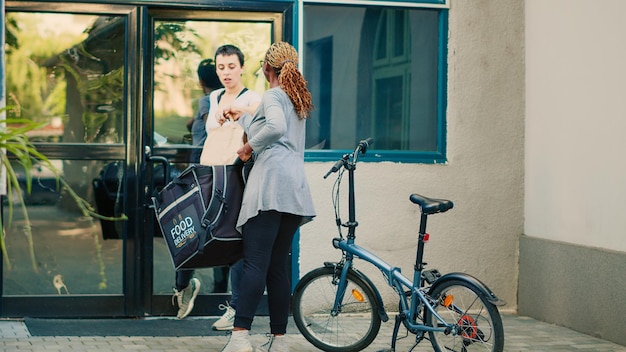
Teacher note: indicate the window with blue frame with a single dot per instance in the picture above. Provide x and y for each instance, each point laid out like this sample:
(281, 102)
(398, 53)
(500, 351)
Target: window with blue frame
(380, 72)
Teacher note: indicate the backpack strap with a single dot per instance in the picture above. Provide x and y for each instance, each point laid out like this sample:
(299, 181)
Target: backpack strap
(217, 202)
(219, 97)
(242, 91)
(195, 171)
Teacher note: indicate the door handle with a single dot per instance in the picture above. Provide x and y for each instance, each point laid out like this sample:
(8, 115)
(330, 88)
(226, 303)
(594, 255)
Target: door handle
(166, 173)
(159, 159)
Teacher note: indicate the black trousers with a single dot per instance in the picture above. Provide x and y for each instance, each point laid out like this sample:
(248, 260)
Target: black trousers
(266, 243)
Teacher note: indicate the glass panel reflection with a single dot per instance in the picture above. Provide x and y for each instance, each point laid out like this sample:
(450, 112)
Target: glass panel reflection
(348, 49)
(65, 252)
(67, 70)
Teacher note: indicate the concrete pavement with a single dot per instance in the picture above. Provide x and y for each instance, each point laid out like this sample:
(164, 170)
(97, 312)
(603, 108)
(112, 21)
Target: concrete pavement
(522, 334)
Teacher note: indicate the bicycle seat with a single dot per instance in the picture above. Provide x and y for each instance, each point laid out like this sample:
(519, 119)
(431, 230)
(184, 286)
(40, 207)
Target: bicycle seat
(431, 205)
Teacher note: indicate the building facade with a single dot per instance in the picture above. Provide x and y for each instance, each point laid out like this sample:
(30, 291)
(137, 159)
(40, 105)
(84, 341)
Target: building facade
(444, 88)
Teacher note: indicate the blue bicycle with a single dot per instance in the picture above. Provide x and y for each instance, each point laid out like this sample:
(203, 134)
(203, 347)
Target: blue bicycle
(339, 309)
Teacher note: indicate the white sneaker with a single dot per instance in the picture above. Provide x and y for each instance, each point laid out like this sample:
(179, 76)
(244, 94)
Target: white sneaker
(227, 320)
(186, 297)
(238, 342)
(275, 344)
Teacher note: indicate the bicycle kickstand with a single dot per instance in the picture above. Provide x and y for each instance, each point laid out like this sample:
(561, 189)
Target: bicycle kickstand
(396, 328)
(394, 337)
(412, 347)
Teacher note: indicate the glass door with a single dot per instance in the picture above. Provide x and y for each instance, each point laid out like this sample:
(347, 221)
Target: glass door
(66, 72)
(181, 41)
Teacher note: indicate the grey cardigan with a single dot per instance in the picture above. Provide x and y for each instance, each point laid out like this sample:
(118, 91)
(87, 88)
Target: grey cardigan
(277, 180)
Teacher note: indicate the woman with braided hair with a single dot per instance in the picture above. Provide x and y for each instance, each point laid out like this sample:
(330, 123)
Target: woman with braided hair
(276, 200)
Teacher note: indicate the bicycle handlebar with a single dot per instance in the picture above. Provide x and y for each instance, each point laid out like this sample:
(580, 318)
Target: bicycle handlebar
(362, 148)
(364, 144)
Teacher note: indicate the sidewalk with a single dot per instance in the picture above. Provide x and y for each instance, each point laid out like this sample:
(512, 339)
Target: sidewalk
(522, 334)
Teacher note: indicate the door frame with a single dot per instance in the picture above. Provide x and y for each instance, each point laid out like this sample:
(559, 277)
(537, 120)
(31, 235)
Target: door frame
(204, 304)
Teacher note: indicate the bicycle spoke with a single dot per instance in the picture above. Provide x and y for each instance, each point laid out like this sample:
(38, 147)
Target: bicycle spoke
(474, 322)
(352, 328)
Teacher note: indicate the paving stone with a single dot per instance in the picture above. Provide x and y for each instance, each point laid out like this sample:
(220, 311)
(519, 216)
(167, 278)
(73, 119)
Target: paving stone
(522, 334)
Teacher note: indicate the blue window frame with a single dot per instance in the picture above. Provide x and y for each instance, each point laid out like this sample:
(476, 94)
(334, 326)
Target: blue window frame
(376, 71)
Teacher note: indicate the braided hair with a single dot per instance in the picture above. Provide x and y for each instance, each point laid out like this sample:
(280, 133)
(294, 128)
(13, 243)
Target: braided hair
(283, 59)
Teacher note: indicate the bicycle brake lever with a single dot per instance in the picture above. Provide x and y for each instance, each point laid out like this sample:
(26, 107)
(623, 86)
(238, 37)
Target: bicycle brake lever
(335, 167)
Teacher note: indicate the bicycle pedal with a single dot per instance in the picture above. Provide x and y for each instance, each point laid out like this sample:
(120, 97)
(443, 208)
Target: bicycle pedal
(431, 275)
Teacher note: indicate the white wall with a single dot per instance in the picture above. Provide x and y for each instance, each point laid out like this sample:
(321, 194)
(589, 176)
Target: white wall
(576, 122)
(484, 175)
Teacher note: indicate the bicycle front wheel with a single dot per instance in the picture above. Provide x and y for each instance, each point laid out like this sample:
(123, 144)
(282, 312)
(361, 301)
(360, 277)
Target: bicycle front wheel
(353, 328)
(477, 322)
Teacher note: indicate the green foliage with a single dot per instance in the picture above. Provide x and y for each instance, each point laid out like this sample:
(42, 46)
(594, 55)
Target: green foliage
(172, 127)
(28, 82)
(171, 40)
(12, 28)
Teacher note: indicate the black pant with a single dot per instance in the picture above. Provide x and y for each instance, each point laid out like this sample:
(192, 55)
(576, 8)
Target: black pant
(266, 243)
(183, 277)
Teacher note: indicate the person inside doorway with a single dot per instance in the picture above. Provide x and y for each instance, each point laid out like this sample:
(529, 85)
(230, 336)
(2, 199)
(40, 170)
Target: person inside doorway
(229, 63)
(209, 81)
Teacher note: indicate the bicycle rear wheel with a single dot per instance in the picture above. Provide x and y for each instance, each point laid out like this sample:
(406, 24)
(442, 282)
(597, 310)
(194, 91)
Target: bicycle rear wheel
(478, 321)
(352, 329)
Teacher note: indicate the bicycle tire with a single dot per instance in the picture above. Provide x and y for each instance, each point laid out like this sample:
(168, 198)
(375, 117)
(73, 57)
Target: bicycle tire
(353, 329)
(479, 321)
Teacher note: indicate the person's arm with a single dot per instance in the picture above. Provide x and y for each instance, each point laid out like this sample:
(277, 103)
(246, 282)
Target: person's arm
(236, 110)
(275, 125)
(204, 105)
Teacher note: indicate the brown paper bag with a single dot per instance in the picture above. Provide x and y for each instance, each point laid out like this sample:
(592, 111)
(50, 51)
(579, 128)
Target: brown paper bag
(221, 145)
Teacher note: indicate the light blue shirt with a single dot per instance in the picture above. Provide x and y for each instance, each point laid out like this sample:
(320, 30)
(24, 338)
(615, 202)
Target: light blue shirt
(198, 129)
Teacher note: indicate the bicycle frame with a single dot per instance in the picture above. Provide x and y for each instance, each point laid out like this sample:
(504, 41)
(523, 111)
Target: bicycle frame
(395, 279)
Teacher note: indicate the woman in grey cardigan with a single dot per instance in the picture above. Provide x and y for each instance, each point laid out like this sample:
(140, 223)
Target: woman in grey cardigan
(277, 199)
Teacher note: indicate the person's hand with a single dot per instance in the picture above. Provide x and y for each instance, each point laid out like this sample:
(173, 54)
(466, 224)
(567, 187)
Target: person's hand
(220, 117)
(232, 113)
(244, 153)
